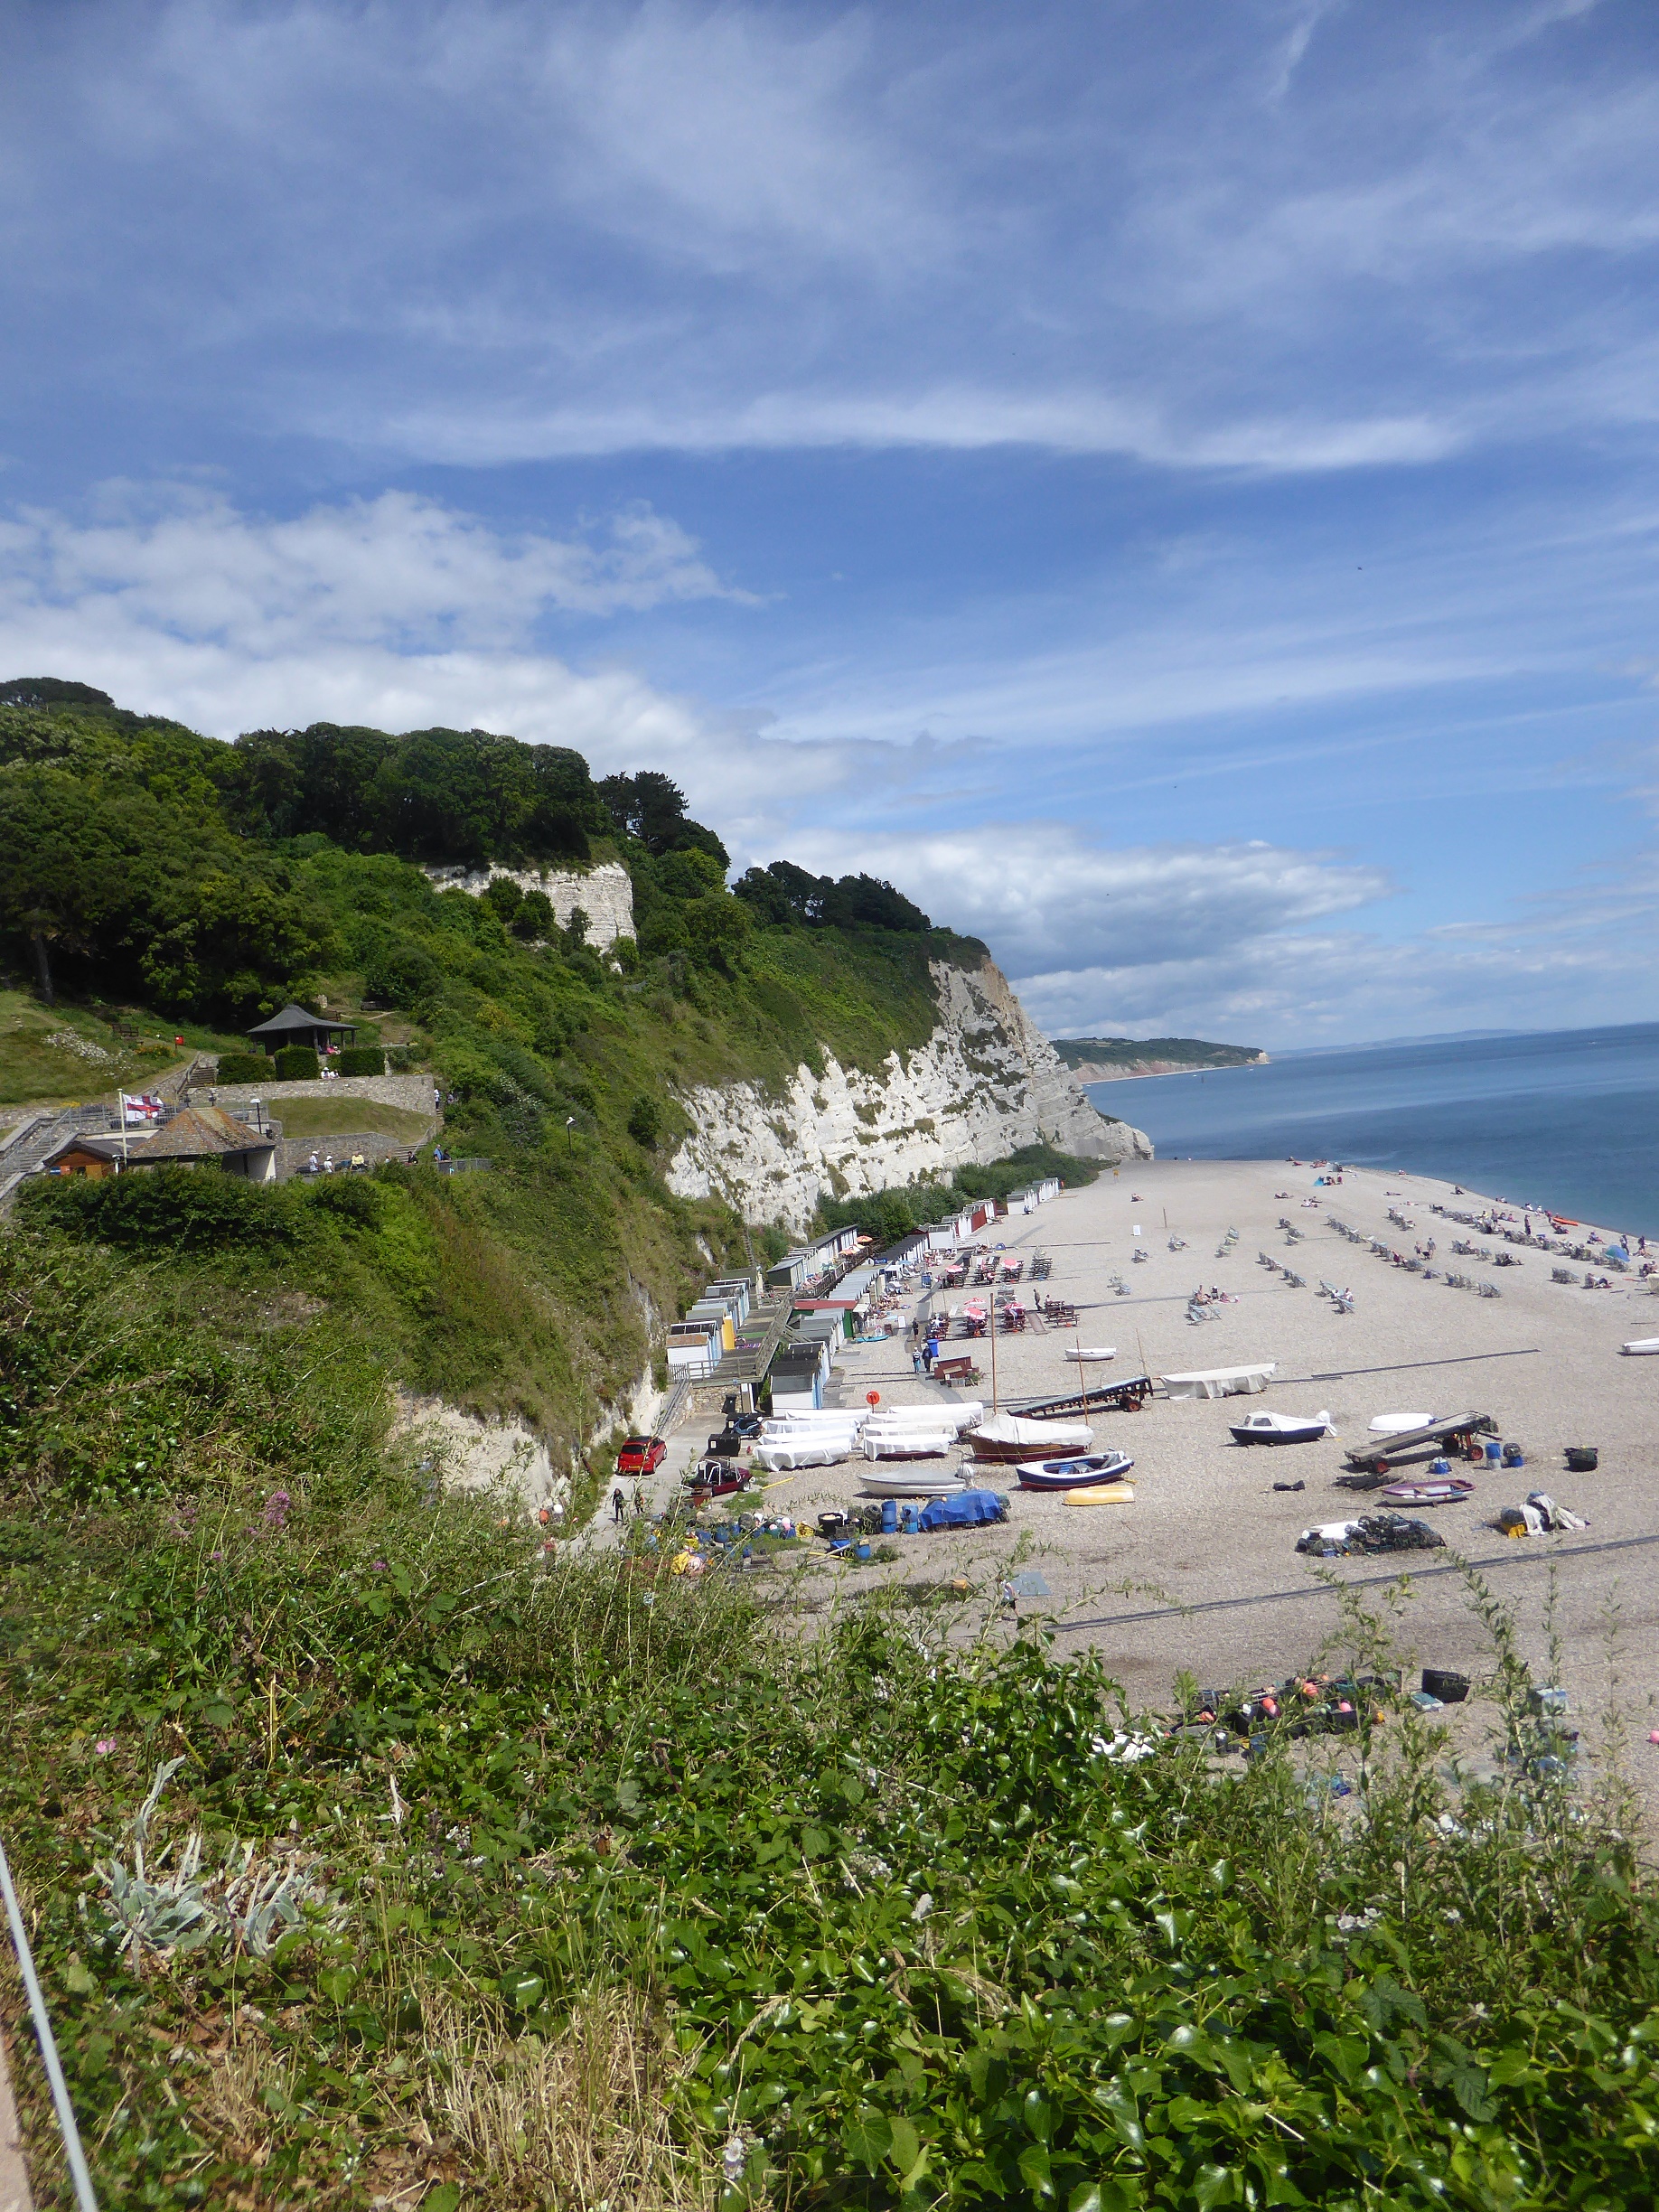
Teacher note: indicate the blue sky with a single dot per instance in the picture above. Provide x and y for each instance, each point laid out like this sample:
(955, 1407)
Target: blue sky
(1167, 481)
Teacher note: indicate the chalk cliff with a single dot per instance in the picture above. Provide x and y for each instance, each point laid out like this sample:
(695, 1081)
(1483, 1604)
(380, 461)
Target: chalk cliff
(605, 893)
(986, 1082)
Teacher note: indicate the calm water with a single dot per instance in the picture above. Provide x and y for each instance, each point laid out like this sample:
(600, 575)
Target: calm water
(1567, 1120)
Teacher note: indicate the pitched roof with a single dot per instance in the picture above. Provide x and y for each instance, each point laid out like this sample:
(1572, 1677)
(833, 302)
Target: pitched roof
(294, 1018)
(198, 1132)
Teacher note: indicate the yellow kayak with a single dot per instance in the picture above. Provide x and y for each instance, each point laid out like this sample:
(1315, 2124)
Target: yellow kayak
(1103, 1494)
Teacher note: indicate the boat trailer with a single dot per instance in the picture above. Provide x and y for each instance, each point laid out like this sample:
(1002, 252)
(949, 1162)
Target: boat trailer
(1127, 1396)
(1376, 1454)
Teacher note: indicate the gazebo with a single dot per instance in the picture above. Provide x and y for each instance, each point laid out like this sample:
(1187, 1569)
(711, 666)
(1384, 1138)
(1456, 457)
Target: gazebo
(293, 1026)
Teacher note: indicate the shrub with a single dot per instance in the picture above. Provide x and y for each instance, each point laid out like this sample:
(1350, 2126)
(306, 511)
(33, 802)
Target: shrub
(645, 1121)
(162, 1209)
(243, 1068)
(534, 916)
(360, 1060)
(402, 974)
(296, 1063)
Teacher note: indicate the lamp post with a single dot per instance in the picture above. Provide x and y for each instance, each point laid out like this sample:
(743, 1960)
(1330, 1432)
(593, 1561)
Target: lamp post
(570, 1132)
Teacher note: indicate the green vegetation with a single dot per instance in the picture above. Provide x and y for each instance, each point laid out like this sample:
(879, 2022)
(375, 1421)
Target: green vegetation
(525, 1292)
(472, 1879)
(1181, 1052)
(897, 1210)
(53, 1054)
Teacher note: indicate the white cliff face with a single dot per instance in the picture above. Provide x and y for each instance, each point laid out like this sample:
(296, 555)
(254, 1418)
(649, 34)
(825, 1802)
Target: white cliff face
(605, 893)
(986, 1082)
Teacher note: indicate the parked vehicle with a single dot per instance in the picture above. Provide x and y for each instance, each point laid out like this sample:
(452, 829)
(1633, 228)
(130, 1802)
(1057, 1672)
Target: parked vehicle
(641, 1455)
(718, 1477)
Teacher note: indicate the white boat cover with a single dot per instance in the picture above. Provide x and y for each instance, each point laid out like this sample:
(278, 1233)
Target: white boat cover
(787, 1452)
(817, 1417)
(1398, 1424)
(1219, 1382)
(1048, 1440)
(907, 1443)
(1639, 1345)
(1269, 1422)
(961, 1415)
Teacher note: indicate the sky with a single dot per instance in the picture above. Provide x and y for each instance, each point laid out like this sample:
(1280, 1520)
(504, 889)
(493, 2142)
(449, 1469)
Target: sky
(1169, 483)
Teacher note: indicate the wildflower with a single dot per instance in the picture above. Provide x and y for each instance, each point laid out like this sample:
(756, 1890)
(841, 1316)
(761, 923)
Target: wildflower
(277, 1509)
(215, 1555)
(104, 1746)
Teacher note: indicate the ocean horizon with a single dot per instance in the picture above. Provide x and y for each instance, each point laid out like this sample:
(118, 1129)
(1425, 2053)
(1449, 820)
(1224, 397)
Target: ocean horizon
(1559, 1118)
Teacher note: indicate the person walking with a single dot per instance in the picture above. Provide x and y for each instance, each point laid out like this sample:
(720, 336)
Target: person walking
(930, 1353)
(618, 1504)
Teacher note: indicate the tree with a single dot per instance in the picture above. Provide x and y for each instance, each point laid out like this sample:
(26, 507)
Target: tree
(718, 926)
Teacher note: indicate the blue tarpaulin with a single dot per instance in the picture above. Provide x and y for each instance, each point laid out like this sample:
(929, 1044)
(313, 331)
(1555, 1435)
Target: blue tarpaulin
(967, 1509)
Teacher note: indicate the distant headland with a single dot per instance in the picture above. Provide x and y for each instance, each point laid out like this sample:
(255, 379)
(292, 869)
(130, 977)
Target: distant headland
(1109, 1059)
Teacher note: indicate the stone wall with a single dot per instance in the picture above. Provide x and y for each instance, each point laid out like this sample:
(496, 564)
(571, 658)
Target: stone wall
(986, 1082)
(414, 1094)
(603, 893)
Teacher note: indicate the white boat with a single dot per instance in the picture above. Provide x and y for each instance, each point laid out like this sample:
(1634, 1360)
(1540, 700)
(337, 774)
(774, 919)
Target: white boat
(1013, 1437)
(1281, 1428)
(1219, 1382)
(1090, 1351)
(1638, 1345)
(911, 1483)
(1400, 1424)
(1077, 1473)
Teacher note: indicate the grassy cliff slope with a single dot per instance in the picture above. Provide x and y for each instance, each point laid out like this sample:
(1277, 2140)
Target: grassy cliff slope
(150, 876)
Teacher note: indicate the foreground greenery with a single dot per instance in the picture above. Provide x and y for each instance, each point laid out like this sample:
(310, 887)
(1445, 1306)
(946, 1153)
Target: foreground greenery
(599, 1879)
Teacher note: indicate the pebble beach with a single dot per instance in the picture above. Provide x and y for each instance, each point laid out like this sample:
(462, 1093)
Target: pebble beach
(1200, 1573)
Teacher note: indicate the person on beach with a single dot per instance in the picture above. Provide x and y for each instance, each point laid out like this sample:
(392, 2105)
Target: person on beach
(930, 1353)
(618, 1503)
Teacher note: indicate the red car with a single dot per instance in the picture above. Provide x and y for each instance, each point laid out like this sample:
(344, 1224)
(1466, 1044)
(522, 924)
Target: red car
(640, 1455)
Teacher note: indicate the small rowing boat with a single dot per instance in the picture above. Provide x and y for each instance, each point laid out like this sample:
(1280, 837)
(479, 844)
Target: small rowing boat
(1638, 1345)
(1082, 1473)
(911, 1483)
(1452, 1491)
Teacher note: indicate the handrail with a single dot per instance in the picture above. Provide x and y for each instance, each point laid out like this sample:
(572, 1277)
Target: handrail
(72, 2151)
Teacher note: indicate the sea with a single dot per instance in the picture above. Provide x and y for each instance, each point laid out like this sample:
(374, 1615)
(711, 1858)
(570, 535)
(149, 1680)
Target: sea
(1567, 1120)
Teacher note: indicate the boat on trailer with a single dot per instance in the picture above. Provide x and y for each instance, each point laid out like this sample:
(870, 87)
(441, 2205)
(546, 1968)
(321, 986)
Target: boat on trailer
(1012, 1436)
(1081, 1473)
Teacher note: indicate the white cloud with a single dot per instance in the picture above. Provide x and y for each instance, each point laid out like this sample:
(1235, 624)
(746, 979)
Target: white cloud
(393, 570)
(1040, 892)
(473, 229)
